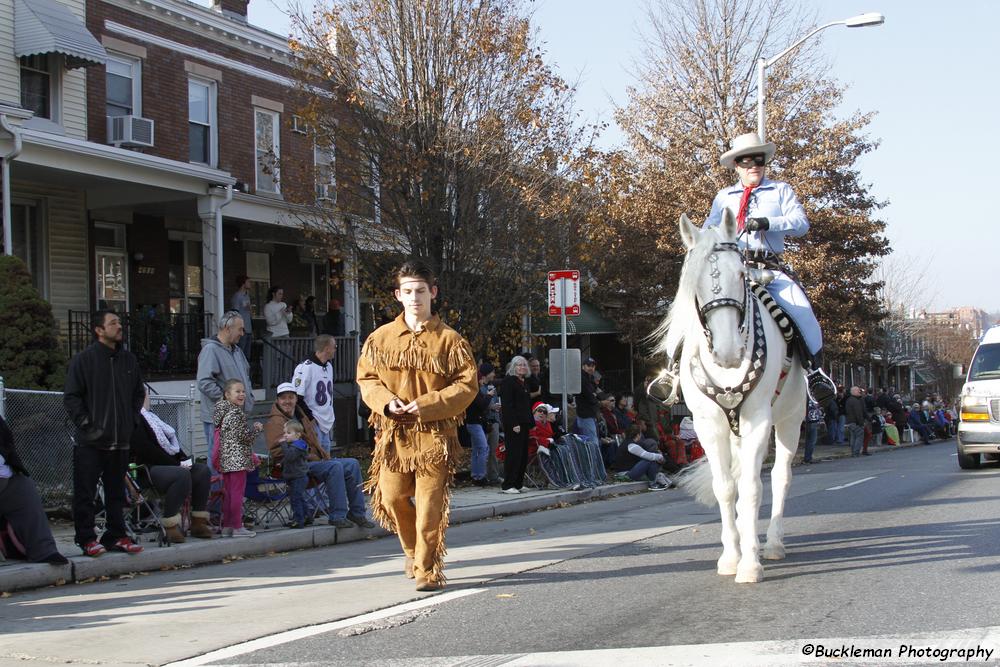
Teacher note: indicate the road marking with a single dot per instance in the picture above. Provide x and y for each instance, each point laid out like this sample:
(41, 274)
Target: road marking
(974, 645)
(844, 486)
(312, 630)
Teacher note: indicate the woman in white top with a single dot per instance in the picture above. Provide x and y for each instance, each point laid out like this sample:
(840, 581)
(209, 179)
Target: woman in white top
(277, 313)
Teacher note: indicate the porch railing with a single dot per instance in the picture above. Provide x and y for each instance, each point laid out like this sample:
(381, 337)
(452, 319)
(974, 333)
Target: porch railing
(281, 356)
(164, 343)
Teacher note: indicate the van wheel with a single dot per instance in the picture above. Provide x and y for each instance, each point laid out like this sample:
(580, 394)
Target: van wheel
(968, 461)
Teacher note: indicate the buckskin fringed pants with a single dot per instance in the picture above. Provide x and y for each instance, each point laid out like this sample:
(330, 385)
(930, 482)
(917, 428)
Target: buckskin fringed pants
(420, 525)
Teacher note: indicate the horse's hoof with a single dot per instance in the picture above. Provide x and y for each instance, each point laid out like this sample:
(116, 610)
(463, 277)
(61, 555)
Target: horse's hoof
(750, 575)
(727, 567)
(773, 552)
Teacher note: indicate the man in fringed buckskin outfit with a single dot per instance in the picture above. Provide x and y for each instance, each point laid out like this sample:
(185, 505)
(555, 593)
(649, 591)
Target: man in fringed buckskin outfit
(418, 376)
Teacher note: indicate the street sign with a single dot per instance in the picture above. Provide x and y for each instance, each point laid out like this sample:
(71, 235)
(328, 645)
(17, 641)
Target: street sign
(570, 360)
(571, 289)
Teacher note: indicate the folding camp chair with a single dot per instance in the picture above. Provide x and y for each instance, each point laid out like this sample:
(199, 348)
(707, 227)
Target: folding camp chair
(265, 500)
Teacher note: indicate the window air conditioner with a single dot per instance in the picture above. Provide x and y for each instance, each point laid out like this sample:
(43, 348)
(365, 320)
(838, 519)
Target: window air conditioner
(130, 131)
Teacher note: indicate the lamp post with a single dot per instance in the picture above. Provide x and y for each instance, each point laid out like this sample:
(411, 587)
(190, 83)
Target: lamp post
(859, 21)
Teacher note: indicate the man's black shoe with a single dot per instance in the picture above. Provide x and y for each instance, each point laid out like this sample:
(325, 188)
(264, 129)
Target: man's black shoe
(341, 523)
(360, 520)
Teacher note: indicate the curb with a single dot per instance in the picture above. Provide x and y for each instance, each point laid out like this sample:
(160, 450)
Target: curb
(81, 569)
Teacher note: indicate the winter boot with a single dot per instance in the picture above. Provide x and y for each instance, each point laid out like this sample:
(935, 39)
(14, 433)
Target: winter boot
(199, 526)
(172, 528)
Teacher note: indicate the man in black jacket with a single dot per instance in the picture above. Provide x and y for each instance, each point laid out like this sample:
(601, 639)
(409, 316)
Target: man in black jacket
(587, 406)
(103, 394)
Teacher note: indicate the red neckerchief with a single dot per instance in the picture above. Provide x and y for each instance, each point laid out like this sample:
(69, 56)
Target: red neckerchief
(741, 217)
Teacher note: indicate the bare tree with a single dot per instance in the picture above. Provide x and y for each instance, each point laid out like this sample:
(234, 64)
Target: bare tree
(464, 143)
(696, 92)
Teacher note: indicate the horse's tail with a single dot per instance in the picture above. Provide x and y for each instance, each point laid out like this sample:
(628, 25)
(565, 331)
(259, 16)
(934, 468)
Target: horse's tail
(696, 480)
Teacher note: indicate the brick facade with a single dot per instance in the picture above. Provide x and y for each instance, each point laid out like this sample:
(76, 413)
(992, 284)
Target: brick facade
(165, 99)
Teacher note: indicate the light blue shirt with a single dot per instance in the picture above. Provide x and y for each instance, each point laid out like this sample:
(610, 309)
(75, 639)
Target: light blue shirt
(773, 200)
(5, 470)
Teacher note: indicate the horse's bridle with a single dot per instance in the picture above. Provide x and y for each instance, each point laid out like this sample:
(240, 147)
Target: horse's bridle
(724, 301)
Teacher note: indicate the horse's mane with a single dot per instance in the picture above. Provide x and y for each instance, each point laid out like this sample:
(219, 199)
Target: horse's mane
(684, 310)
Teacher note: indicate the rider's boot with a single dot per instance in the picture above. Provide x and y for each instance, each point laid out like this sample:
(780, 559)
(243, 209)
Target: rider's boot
(666, 386)
(821, 387)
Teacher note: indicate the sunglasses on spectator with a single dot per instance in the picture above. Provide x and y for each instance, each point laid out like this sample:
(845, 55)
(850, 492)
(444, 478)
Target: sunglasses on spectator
(751, 160)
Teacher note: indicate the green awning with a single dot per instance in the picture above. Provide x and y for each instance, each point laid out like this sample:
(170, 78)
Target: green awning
(589, 321)
(922, 378)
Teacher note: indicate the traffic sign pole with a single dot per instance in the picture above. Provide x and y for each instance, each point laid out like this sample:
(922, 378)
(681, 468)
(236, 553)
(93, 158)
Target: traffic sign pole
(562, 338)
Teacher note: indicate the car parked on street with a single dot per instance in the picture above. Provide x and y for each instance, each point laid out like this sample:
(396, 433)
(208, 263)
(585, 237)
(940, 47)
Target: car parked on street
(979, 408)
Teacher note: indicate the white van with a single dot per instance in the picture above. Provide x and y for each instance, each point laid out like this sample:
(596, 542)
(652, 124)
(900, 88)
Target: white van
(979, 429)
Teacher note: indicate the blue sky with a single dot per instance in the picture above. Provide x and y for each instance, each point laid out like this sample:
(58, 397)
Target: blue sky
(929, 72)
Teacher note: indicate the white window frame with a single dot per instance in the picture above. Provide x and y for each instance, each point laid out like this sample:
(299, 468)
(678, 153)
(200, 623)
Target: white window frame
(135, 65)
(325, 157)
(273, 181)
(213, 119)
(54, 62)
(38, 234)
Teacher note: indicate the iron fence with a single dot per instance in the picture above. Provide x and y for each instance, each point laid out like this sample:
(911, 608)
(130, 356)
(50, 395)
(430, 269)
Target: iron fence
(43, 436)
(281, 356)
(164, 343)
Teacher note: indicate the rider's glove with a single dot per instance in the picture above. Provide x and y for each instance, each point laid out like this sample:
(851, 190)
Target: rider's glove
(758, 224)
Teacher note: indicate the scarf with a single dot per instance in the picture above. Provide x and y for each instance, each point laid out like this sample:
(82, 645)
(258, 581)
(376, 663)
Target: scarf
(741, 217)
(164, 432)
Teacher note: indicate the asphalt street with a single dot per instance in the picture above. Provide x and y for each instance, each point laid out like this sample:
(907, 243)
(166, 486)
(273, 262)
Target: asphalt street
(901, 545)
(895, 545)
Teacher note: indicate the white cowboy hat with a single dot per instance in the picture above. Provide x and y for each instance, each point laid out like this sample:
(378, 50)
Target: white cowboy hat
(746, 144)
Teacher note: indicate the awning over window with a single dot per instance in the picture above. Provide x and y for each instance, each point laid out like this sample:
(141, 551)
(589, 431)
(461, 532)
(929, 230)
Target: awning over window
(48, 26)
(589, 321)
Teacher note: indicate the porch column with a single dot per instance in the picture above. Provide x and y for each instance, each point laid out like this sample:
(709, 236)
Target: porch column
(213, 291)
(352, 315)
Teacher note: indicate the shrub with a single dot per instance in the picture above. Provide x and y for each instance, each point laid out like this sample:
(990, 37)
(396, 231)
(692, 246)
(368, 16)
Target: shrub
(30, 354)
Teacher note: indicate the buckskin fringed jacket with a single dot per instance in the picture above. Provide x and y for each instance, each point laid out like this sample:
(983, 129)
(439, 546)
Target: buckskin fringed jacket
(436, 367)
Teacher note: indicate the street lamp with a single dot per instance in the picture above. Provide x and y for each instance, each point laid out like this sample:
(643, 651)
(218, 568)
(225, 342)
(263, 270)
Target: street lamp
(859, 21)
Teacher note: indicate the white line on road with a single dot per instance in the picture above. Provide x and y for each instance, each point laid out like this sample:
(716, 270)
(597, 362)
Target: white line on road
(844, 486)
(312, 630)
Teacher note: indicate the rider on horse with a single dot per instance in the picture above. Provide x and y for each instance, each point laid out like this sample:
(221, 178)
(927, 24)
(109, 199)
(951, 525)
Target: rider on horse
(767, 211)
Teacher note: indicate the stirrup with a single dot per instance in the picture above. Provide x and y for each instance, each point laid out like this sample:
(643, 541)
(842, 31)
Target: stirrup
(820, 387)
(665, 387)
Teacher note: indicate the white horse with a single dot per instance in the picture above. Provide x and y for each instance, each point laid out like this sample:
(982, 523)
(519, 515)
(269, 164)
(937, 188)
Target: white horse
(737, 382)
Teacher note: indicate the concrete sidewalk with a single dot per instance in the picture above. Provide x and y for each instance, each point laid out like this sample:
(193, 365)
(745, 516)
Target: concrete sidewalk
(467, 504)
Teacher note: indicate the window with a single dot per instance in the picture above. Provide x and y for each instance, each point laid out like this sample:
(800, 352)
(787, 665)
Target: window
(124, 86)
(259, 273)
(202, 124)
(325, 159)
(111, 263)
(27, 237)
(37, 85)
(267, 150)
(184, 273)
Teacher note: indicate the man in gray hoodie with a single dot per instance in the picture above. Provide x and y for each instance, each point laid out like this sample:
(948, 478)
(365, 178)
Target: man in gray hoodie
(220, 360)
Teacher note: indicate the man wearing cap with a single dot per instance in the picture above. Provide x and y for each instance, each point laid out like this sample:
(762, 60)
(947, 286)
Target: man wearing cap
(587, 406)
(767, 211)
(342, 476)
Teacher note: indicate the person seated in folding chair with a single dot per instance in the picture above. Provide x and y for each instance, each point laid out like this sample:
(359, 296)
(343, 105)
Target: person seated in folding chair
(341, 476)
(172, 473)
(24, 528)
(542, 437)
(640, 459)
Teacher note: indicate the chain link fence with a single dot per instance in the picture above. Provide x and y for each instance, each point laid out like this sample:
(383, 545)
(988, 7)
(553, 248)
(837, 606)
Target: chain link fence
(43, 436)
